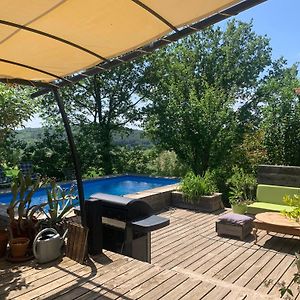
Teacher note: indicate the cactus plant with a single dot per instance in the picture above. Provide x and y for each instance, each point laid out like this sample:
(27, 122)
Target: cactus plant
(60, 202)
(20, 211)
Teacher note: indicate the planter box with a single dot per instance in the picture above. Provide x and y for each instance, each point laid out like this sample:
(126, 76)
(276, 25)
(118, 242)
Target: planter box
(205, 203)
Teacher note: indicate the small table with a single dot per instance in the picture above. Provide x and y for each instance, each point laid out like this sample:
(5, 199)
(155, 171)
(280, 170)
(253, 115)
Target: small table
(275, 222)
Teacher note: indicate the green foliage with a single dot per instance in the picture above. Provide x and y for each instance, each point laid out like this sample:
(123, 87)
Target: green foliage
(50, 154)
(20, 211)
(281, 113)
(242, 186)
(16, 108)
(101, 106)
(294, 202)
(59, 201)
(134, 160)
(203, 93)
(167, 164)
(251, 152)
(137, 160)
(194, 186)
(284, 290)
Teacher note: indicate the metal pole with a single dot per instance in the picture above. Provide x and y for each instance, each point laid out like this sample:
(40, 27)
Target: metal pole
(73, 153)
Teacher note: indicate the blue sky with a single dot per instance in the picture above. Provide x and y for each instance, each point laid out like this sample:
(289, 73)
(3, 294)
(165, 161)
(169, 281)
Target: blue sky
(278, 19)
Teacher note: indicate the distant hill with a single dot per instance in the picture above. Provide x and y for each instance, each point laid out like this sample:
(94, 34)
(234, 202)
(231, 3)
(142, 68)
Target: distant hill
(29, 134)
(134, 138)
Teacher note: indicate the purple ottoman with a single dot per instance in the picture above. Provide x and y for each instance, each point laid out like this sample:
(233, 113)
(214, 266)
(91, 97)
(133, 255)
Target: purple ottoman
(234, 225)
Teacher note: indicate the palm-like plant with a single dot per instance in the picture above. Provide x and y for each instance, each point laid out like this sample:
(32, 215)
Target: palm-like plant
(59, 203)
(20, 211)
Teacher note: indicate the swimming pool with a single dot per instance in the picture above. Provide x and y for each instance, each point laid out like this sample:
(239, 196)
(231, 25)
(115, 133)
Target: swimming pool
(117, 185)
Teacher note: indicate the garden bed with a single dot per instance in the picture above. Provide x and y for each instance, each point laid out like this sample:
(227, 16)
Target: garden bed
(205, 203)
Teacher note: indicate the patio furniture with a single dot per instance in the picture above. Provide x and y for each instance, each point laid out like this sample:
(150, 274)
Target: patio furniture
(235, 225)
(275, 222)
(121, 225)
(270, 198)
(76, 247)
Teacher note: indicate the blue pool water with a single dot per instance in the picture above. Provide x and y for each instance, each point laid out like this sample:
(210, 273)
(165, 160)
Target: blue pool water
(120, 185)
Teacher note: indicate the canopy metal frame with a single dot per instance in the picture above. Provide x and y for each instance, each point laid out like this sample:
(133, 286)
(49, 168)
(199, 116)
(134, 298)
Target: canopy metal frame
(58, 82)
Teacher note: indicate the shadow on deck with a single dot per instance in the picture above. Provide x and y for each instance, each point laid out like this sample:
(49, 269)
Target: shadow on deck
(189, 261)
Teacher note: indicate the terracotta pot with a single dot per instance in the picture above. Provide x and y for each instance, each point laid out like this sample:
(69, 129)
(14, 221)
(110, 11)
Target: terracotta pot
(28, 231)
(19, 246)
(3, 241)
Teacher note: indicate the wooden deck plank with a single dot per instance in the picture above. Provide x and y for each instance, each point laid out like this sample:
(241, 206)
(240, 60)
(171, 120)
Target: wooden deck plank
(224, 262)
(177, 244)
(252, 271)
(184, 252)
(10, 283)
(183, 224)
(150, 284)
(165, 287)
(286, 278)
(114, 288)
(176, 239)
(194, 262)
(181, 290)
(199, 292)
(132, 283)
(277, 273)
(235, 295)
(268, 269)
(184, 228)
(76, 272)
(213, 258)
(190, 254)
(249, 268)
(88, 284)
(190, 261)
(35, 287)
(246, 255)
(218, 293)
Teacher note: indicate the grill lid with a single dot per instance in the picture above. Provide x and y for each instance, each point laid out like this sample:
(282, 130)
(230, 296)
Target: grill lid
(122, 208)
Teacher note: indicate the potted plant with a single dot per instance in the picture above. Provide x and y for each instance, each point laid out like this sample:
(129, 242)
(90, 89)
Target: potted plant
(59, 203)
(242, 190)
(196, 192)
(48, 243)
(294, 202)
(22, 220)
(3, 241)
(18, 247)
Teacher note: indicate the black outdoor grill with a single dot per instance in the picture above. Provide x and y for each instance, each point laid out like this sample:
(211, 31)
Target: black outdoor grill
(122, 225)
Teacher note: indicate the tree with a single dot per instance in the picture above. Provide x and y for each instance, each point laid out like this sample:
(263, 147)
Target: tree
(16, 108)
(98, 107)
(49, 153)
(203, 93)
(281, 111)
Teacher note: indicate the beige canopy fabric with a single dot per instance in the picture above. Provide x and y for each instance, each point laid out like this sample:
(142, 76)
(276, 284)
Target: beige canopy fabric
(44, 40)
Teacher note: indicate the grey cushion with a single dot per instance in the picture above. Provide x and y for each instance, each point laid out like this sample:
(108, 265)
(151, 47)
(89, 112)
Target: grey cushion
(235, 219)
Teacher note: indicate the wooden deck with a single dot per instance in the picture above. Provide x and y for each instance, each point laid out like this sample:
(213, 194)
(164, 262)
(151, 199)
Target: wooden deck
(189, 261)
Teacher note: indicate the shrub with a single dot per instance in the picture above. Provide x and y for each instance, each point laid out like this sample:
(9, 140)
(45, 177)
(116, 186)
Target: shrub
(295, 202)
(194, 186)
(242, 186)
(167, 164)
